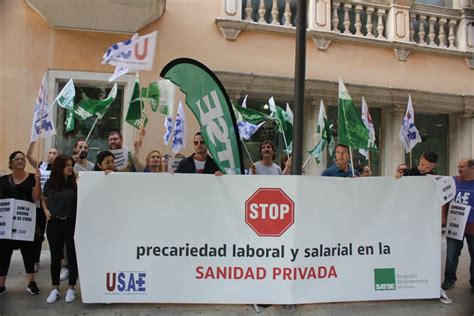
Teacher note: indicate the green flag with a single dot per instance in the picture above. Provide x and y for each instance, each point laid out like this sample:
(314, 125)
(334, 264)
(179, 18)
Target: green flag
(208, 100)
(250, 116)
(352, 131)
(65, 98)
(323, 134)
(136, 108)
(90, 107)
(284, 121)
(69, 122)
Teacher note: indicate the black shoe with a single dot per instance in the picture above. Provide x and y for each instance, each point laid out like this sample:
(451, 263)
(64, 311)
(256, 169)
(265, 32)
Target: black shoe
(33, 288)
(3, 290)
(447, 284)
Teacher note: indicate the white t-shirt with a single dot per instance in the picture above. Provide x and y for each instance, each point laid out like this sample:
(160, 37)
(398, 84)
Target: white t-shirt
(199, 165)
(273, 170)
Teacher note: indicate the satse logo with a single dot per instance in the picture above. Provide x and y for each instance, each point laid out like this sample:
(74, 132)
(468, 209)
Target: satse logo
(384, 279)
(269, 212)
(126, 282)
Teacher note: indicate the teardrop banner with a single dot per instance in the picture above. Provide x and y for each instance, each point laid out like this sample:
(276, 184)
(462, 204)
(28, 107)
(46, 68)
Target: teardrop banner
(210, 104)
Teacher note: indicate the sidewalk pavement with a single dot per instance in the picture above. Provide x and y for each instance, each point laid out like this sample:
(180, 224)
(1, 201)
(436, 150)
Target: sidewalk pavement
(18, 302)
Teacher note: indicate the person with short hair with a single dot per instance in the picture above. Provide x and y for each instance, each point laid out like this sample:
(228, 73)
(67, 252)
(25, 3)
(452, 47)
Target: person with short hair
(341, 167)
(116, 142)
(80, 153)
(464, 195)
(51, 154)
(364, 170)
(426, 164)
(60, 207)
(105, 162)
(199, 161)
(19, 185)
(266, 166)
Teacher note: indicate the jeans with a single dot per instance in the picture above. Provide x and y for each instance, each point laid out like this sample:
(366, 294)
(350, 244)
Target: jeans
(453, 252)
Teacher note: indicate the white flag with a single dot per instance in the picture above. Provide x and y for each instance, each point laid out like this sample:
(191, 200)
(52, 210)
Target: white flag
(120, 70)
(289, 114)
(168, 127)
(409, 135)
(135, 54)
(43, 123)
(367, 119)
(179, 133)
(246, 129)
(65, 98)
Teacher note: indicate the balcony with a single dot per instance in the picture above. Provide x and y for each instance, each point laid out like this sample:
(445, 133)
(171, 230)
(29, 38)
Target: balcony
(124, 16)
(402, 26)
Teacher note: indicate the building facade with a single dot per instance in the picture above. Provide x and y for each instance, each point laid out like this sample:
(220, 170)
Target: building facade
(383, 50)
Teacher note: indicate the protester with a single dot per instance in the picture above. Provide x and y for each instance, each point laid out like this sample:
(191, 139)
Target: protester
(153, 162)
(425, 166)
(286, 164)
(45, 167)
(266, 166)
(105, 162)
(401, 168)
(80, 153)
(364, 171)
(116, 143)
(60, 204)
(341, 167)
(464, 195)
(51, 154)
(19, 185)
(199, 161)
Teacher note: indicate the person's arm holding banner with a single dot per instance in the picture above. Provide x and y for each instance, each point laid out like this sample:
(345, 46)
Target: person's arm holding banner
(30, 157)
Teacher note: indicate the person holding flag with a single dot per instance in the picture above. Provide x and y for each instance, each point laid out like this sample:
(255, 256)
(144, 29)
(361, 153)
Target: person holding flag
(266, 166)
(341, 167)
(80, 153)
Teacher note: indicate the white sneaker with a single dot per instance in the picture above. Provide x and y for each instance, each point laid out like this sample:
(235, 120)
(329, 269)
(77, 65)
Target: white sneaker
(53, 296)
(64, 274)
(70, 295)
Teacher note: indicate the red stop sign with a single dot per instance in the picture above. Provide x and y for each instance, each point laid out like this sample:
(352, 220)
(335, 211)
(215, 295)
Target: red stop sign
(269, 212)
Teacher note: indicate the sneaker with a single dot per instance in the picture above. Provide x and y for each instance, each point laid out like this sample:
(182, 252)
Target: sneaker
(3, 290)
(53, 296)
(447, 284)
(70, 295)
(64, 274)
(33, 288)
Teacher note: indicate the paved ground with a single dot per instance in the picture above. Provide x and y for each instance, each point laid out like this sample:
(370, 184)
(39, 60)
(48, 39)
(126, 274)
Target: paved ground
(18, 302)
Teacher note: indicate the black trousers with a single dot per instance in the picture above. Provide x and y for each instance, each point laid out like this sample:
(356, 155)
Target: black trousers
(61, 232)
(39, 233)
(27, 249)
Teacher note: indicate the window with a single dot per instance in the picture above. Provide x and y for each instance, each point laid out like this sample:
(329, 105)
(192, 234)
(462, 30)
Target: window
(433, 130)
(111, 121)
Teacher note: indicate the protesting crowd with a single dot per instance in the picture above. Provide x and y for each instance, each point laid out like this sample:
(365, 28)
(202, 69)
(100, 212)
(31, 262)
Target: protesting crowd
(57, 201)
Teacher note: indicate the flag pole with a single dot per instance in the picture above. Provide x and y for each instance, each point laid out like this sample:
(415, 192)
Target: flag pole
(368, 158)
(39, 137)
(411, 163)
(306, 161)
(246, 150)
(352, 161)
(88, 135)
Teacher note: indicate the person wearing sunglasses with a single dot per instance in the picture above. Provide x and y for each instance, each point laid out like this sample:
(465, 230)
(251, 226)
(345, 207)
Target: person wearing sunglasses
(199, 161)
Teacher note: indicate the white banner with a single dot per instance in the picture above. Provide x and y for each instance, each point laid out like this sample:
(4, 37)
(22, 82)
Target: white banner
(17, 219)
(120, 158)
(45, 174)
(446, 187)
(457, 218)
(6, 206)
(268, 240)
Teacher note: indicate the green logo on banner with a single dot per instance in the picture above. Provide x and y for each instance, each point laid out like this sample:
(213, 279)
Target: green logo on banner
(384, 279)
